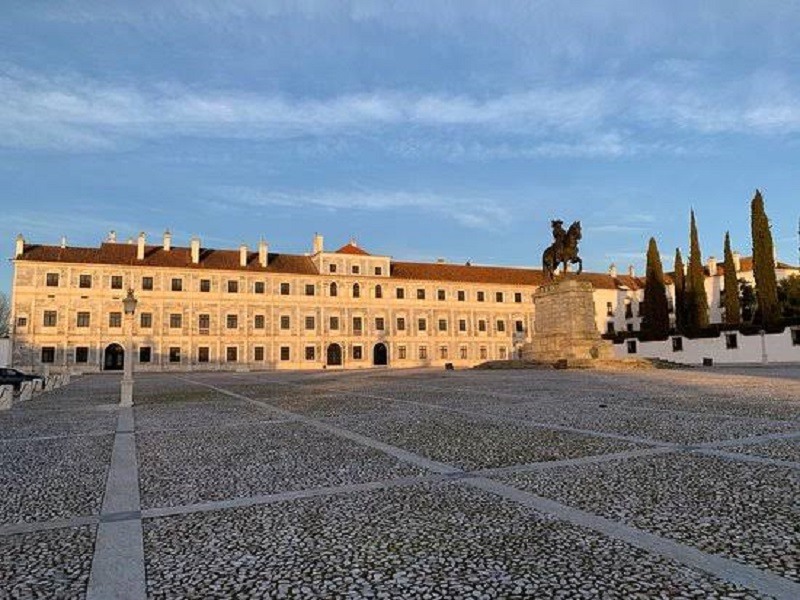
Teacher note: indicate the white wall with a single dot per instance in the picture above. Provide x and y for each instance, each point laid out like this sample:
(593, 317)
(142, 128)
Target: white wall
(778, 347)
(5, 352)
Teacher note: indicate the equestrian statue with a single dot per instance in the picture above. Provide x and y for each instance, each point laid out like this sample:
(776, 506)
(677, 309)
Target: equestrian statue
(563, 250)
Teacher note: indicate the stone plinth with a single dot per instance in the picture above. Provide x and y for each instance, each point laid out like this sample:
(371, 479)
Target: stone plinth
(564, 324)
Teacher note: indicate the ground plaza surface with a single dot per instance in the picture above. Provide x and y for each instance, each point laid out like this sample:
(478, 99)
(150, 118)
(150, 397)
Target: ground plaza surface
(406, 484)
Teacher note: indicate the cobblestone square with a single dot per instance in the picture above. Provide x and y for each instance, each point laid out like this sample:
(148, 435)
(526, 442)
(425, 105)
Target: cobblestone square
(406, 484)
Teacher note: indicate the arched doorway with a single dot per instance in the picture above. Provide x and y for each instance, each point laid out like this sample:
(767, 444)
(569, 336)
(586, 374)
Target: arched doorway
(334, 355)
(113, 358)
(380, 355)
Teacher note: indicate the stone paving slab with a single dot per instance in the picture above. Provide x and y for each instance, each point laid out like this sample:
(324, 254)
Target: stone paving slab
(746, 512)
(20, 424)
(426, 541)
(190, 467)
(331, 405)
(46, 564)
(222, 411)
(780, 449)
(53, 479)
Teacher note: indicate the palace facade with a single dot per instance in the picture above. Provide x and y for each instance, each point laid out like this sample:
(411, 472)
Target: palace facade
(204, 308)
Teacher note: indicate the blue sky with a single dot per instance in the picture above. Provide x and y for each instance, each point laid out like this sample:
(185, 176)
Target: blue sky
(452, 129)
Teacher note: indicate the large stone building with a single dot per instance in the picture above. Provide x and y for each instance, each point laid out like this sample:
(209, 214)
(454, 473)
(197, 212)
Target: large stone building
(203, 308)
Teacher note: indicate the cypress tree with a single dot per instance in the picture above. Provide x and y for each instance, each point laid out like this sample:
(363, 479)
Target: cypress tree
(732, 307)
(764, 264)
(696, 299)
(655, 321)
(679, 280)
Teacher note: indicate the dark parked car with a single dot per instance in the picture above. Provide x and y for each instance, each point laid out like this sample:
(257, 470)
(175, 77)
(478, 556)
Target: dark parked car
(15, 378)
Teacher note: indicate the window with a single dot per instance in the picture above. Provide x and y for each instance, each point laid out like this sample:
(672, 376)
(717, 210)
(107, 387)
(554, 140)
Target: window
(334, 289)
(310, 324)
(203, 354)
(258, 353)
(258, 322)
(441, 295)
(48, 354)
(147, 284)
(22, 321)
(379, 323)
(483, 353)
(629, 327)
(518, 297)
(731, 341)
(233, 286)
(639, 308)
(443, 352)
(259, 287)
(378, 291)
(85, 281)
(462, 295)
(462, 324)
(145, 354)
(116, 282)
(310, 289)
(355, 269)
(115, 319)
(422, 325)
(501, 326)
(462, 353)
(145, 320)
(420, 293)
(481, 296)
(481, 325)
(677, 344)
(400, 293)
(310, 352)
(231, 354)
(204, 323)
(401, 324)
(175, 320)
(83, 319)
(610, 327)
(503, 353)
(378, 270)
(423, 352)
(609, 309)
(442, 324)
(631, 345)
(285, 322)
(401, 352)
(358, 353)
(285, 354)
(334, 323)
(356, 291)
(205, 285)
(232, 321)
(52, 280)
(498, 296)
(177, 284)
(331, 268)
(357, 324)
(519, 326)
(174, 354)
(628, 310)
(81, 354)
(285, 290)
(795, 337)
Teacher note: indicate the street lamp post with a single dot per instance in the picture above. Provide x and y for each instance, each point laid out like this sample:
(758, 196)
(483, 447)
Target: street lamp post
(126, 387)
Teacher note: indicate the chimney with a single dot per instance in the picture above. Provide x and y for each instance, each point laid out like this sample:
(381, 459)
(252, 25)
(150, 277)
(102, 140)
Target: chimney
(243, 255)
(112, 237)
(737, 261)
(19, 247)
(195, 246)
(317, 244)
(63, 241)
(140, 247)
(612, 270)
(712, 266)
(167, 241)
(263, 252)
(631, 271)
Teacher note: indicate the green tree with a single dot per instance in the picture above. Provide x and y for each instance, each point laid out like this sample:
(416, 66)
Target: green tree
(747, 300)
(764, 264)
(679, 281)
(789, 296)
(696, 299)
(732, 306)
(655, 317)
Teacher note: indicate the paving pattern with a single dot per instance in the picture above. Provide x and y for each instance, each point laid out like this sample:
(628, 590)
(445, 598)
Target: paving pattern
(406, 484)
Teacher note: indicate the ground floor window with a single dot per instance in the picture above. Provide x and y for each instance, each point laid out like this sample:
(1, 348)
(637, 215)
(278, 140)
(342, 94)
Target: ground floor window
(48, 354)
(503, 352)
(310, 352)
(358, 353)
(145, 354)
(202, 354)
(401, 352)
(462, 352)
(423, 352)
(231, 353)
(174, 354)
(610, 327)
(631, 346)
(796, 337)
(285, 354)
(258, 353)
(81, 354)
(677, 344)
(731, 341)
(443, 352)
(483, 353)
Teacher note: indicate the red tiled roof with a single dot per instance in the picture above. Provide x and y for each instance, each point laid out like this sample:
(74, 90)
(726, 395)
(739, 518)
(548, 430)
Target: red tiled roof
(176, 257)
(351, 248)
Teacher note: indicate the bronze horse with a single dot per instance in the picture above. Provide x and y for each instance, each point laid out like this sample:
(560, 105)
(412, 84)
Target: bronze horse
(563, 251)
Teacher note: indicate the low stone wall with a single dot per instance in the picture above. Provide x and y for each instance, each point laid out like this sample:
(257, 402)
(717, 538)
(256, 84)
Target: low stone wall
(6, 396)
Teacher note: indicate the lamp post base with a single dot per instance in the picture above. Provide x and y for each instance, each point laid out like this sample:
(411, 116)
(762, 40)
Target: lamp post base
(126, 392)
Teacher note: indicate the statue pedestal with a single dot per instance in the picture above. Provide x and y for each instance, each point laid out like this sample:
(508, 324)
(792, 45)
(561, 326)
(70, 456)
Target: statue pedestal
(564, 324)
